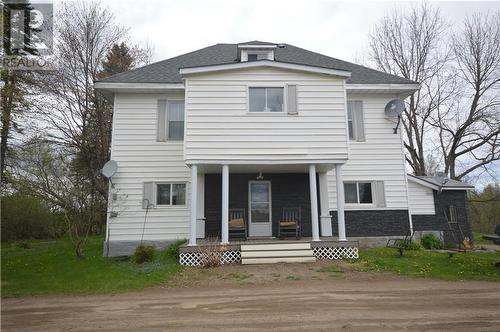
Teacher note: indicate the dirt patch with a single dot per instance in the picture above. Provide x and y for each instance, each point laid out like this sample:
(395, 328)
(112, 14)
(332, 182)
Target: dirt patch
(272, 273)
(280, 297)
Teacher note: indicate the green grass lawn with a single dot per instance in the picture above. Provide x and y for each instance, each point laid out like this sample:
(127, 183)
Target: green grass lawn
(478, 239)
(432, 264)
(51, 267)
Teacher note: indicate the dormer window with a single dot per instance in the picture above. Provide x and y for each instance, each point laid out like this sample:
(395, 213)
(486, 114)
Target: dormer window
(256, 55)
(256, 52)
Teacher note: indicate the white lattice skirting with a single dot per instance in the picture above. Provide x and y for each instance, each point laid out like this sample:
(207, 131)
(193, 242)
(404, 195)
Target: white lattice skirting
(336, 253)
(197, 258)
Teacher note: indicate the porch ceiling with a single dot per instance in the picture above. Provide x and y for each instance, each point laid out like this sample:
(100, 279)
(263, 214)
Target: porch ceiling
(284, 168)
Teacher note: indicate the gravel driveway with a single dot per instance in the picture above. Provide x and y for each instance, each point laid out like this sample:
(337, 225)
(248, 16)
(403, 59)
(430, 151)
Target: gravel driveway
(374, 303)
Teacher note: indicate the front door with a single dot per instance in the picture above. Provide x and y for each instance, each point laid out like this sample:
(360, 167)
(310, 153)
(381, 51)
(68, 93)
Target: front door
(259, 207)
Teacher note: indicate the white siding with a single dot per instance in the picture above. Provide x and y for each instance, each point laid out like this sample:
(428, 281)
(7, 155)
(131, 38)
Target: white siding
(219, 127)
(379, 157)
(421, 199)
(142, 159)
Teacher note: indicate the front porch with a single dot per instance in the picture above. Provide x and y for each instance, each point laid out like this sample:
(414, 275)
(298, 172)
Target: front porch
(258, 251)
(263, 203)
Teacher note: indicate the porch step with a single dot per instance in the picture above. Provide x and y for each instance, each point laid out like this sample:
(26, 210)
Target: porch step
(276, 253)
(272, 260)
(275, 246)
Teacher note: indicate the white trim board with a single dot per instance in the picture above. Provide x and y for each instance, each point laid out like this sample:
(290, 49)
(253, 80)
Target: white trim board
(264, 63)
(156, 87)
(402, 90)
(137, 87)
(351, 86)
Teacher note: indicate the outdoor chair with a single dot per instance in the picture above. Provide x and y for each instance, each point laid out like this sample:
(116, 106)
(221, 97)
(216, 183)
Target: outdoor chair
(401, 244)
(289, 224)
(237, 223)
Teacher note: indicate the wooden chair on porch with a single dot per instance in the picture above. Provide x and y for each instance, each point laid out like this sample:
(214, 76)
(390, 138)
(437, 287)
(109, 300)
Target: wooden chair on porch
(237, 223)
(289, 223)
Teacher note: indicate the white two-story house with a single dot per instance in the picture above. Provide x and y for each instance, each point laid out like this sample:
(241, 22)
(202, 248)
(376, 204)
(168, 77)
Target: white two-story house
(257, 141)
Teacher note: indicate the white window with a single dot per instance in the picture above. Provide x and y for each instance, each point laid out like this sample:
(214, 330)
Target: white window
(266, 100)
(170, 194)
(170, 126)
(175, 120)
(350, 126)
(358, 192)
(355, 121)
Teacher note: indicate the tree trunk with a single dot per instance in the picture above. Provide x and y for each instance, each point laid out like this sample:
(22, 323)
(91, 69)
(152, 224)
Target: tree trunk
(6, 121)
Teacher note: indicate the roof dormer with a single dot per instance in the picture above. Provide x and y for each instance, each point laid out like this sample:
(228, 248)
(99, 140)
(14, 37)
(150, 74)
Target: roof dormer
(254, 51)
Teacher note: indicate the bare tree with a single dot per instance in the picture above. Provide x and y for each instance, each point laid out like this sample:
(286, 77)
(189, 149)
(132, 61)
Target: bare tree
(469, 125)
(44, 170)
(78, 117)
(410, 45)
(76, 120)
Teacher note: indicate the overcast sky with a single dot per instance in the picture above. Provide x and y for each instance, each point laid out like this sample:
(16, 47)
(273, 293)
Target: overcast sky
(338, 29)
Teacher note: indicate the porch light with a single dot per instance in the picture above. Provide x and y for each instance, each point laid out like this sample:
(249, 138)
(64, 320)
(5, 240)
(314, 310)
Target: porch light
(260, 177)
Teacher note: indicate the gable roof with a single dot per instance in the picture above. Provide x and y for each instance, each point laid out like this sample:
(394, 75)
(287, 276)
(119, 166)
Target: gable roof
(437, 183)
(167, 71)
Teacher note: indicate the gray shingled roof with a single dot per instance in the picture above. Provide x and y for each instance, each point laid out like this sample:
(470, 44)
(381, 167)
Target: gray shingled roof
(167, 71)
(444, 182)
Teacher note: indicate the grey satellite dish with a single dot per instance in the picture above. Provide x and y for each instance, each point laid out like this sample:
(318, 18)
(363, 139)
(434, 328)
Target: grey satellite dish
(393, 109)
(109, 169)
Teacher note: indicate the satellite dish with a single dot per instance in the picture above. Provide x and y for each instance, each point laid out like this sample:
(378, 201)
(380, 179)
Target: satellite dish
(109, 169)
(394, 108)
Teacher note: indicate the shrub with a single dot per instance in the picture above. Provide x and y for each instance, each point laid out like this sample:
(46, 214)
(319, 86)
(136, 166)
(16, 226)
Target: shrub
(431, 241)
(410, 245)
(28, 217)
(24, 245)
(173, 250)
(143, 254)
(211, 253)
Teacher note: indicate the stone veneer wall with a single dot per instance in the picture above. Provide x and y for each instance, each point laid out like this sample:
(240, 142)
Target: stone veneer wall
(373, 223)
(437, 222)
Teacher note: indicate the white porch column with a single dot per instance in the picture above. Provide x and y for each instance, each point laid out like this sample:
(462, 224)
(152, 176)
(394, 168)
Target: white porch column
(200, 220)
(194, 204)
(225, 204)
(340, 201)
(326, 219)
(314, 203)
